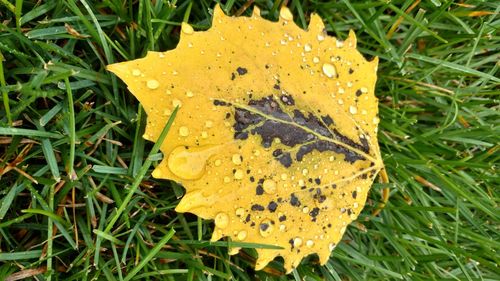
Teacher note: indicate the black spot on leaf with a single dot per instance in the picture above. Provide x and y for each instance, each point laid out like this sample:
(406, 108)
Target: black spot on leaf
(257, 207)
(259, 190)
(242, 70)
(272, 206)
(294, 201)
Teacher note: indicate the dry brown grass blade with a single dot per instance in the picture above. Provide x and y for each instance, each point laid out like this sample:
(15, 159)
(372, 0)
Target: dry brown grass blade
(25, 274)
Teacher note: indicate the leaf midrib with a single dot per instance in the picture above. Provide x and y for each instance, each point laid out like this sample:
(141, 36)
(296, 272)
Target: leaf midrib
(319, 136)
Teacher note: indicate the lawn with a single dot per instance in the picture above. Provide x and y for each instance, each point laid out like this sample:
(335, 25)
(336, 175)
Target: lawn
(77, 199)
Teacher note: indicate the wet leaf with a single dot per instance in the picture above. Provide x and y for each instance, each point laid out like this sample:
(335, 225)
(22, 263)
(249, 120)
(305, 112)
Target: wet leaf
(275, 139)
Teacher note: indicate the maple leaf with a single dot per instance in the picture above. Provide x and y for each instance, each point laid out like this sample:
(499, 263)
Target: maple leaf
(275, 139)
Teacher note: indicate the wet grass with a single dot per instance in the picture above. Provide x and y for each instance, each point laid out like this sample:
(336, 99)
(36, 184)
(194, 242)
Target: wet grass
(77, 200)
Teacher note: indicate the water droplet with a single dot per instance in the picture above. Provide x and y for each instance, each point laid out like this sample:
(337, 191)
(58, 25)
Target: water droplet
(339, 44)
(176, 103)
(341, 90)
(266, 227)
(204, 134)
(238, 174)
(321, 37)
(242, 235)
(167, 112)
(286, 14)
(227, 179)
(240, 212)
(309, 243)
(184, 131)
(340, 101)
(363, 90)
(284, 177)
(331, 246)
(349, 84)
(353, 109)
(168, 92)
(221, 220)
(217, 162)
(329, 70)
(269, 186)
(189, 94)
(189, 162)
(186, 28)
(305, 210)
(136, 72)
(315, 59)
(297, 242)
(307, 48)
(237, 159)
(209, 124)
(282, 227)
(152, 84)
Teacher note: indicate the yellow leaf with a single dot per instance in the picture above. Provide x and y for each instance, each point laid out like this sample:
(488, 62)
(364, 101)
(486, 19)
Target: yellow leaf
(276, 136)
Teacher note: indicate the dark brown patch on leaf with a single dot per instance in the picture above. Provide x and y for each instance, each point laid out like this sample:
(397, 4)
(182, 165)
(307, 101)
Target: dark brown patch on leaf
(293, 130)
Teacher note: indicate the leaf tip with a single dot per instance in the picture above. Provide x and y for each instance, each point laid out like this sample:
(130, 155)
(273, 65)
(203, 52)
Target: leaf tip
(256, 12)
(316, 23)
(351, 39)
(286, 14)
(218, 12)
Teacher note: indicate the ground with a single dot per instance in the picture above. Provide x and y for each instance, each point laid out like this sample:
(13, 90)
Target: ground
(77, 199)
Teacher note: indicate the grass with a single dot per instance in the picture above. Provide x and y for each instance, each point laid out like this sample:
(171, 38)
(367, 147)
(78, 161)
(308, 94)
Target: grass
(77, 200)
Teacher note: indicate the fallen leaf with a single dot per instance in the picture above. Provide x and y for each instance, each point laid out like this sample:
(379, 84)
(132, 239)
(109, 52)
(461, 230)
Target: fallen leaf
(275, 138)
